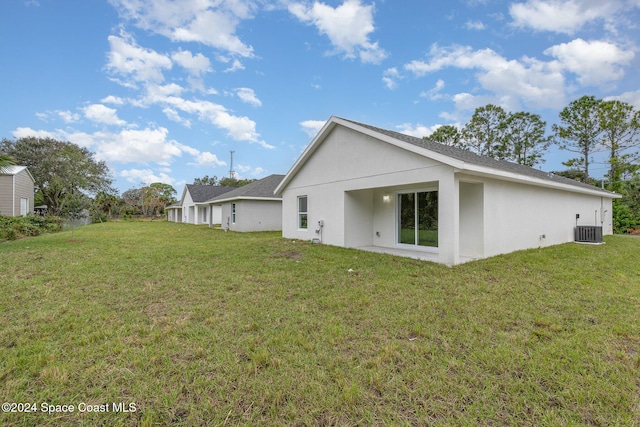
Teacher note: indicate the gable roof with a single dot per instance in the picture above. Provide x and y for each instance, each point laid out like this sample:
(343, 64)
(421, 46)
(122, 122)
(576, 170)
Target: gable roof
(15, 170)
(202, 193)
(262, 189)
(462, 160)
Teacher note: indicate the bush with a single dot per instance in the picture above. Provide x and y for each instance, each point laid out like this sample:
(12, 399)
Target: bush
(12, 228)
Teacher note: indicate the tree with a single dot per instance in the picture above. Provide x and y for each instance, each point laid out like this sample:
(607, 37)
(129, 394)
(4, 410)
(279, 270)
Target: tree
(157, 196)
(148, 200)
(580, 132)
(626, 211)
(524, 138)
(484, 134)
(447, 135)
(106, 202)
(206, 180)
(234, 182)
(75, 209)
(132, 201)
(620, 126)
(59, 168)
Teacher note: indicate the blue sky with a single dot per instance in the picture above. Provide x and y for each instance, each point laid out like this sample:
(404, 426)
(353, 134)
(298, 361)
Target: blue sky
(163, 90)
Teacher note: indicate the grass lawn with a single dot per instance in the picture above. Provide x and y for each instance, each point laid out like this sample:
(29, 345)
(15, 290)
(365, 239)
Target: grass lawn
(194, 326)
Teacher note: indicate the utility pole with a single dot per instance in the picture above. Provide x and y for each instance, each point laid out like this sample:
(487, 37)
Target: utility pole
(231, 171)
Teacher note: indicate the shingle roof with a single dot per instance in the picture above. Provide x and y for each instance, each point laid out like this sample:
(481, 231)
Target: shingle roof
(262, 189)
(202, 193)
(476, 159)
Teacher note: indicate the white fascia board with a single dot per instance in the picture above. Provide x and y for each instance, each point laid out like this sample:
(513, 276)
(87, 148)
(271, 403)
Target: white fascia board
(315, 142)
(184, 193)
(234, 199)
(530, 180)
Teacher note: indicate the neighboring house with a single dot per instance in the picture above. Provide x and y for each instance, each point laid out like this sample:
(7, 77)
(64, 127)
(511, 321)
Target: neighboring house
(359, 186)
(194, 208)
(253, 207)
(16, 191)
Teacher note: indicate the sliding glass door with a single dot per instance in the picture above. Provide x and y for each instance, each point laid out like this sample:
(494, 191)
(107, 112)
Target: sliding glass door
(418, 218)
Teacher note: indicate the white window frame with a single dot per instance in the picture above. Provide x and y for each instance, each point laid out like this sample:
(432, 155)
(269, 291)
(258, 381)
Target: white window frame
(433, 249)
(304, 213)
(233, 213)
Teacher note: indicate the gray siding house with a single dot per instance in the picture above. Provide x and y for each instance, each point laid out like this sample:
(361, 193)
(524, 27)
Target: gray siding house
(16, 191)
(253, 207)
(194, 208)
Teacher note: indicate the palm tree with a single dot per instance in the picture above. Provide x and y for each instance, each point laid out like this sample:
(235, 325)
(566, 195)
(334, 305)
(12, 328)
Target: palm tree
(5, 162)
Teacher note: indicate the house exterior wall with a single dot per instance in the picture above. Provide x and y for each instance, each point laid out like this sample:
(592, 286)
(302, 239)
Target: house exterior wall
(13, 188)
(345, 180)
(7, 205)
(516, 216)
(253, 215)
(352, 181)
(188, 211)
(174, 215)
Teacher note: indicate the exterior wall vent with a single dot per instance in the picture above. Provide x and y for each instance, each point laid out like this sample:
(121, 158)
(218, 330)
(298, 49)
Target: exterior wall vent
(588, 234)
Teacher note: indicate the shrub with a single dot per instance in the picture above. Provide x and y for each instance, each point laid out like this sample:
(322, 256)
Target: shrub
(12, 228)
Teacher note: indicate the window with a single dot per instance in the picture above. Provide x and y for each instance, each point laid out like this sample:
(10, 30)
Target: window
(302, 212)
(233, 213)
(24, 206)
(418, 218)
(204, 214)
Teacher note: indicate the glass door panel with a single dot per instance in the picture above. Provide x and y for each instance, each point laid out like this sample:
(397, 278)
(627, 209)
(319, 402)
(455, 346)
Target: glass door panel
(407, 218)
(427, 218)
(418, 218)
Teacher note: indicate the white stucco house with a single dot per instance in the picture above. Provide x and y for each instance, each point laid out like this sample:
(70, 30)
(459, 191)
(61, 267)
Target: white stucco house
(359, 186)
(16, 191)
(253, 207)
(194, 207)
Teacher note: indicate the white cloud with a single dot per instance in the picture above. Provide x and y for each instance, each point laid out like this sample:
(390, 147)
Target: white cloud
(211, 22)
(137, 146)
(207, 159)
(145, 176)
(25, 132)
(348, 27)
(475, 25)
(561, 16)
(312, 127)
(174, 116)
(419, 130)
(390, 78)
(101, 114)
(536, 83)
(595, 62)
(434, 93)
(238, 128)
(195, 65)
(115, 100)
(131, 61)
(68, 116)
(244, 171)
(236, 65)
(248, 96)
(631, 98)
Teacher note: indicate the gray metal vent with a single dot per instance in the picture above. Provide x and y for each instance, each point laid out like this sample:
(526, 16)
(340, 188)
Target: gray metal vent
(588, 234)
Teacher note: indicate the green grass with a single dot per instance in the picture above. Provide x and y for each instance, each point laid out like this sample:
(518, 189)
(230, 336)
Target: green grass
(201, 327)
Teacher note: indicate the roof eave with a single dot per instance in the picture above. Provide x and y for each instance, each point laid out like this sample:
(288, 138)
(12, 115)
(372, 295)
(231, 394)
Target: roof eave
(231, 199)
(525, 179)
(308, 151)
